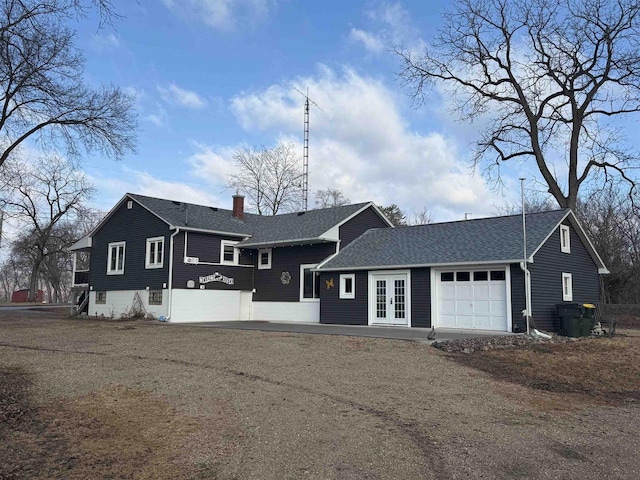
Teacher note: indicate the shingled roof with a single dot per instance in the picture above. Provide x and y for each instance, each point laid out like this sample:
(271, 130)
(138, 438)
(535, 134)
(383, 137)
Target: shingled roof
(260, 230)
(497, 239)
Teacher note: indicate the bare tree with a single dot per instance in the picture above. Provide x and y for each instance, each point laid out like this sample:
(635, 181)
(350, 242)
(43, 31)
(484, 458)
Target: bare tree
(44, 197)
(533, 203)
(331, 197)
(270, 178)
(43, 98)
(550, 75)
(421, 217)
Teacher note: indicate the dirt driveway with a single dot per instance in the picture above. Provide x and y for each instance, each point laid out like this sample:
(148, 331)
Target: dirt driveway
(89, 399)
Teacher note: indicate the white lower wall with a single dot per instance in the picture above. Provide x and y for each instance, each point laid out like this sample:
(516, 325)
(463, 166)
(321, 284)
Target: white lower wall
(308, 312)
(209, 305)
(119, 303)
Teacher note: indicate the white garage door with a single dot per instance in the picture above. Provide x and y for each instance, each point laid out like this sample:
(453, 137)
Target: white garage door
(473, 299)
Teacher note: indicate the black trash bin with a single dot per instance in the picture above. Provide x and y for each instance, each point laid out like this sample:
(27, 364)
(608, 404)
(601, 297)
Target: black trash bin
(570, 319)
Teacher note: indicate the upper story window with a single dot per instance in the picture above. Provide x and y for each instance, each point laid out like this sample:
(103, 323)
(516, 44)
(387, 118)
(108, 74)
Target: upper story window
(565, 239)
(229, 254)
(309, 283)
(264, 259)
(115, 260)
(155, 252)
(348, 286)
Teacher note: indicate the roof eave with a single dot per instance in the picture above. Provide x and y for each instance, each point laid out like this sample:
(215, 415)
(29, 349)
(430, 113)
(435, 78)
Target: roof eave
(289, 242)
(421, 265)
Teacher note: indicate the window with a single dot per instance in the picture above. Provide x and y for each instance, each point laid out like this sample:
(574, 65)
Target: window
(309, 283)
(446, 277)
(498, 275)
(155, 297)
(463, 276)
(348, 286)
(155, 252)
(115, 260)
(129, 205)
(264, 259)
(101, 298)
(228, 252)
(567, 287)
(480, 276)
(565, 239)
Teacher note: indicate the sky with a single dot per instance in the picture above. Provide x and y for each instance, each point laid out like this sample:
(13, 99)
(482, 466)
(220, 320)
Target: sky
(210, 76)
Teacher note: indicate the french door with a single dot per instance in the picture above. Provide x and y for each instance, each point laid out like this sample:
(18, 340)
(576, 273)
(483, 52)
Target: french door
(388, 301)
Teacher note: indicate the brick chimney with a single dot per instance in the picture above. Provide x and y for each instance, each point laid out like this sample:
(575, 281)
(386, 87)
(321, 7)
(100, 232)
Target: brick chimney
(238, 206)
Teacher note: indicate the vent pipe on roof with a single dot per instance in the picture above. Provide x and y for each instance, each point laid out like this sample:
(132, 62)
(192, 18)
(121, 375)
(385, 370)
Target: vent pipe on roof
(238, 206)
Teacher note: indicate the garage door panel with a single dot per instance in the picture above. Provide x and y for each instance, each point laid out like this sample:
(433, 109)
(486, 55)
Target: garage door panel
(482, 307)
(481, 291)
(473, 301)
(498, 291)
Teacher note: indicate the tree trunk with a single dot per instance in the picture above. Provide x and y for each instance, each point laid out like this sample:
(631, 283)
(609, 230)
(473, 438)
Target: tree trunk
(33, 281)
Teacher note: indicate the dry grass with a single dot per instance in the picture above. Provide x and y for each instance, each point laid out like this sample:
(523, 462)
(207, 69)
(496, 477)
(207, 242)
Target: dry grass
(605, 369)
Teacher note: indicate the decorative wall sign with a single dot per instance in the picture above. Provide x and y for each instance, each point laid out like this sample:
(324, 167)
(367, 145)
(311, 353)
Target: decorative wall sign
(329, 283)
(285, 278)
(191, 284)
(191, 260)
(217, 277)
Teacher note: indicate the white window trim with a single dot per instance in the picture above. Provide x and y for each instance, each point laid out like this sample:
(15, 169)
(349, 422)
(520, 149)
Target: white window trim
(343, 293)
(124, 253)
(565, 248)
(147, 264)
(567, 296)
(236, 252)
(268, 251)
(303, 267)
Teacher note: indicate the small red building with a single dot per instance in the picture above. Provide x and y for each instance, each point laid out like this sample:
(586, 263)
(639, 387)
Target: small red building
(22, 296)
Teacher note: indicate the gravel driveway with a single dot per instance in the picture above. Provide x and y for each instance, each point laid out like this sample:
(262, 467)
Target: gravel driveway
(266, 405)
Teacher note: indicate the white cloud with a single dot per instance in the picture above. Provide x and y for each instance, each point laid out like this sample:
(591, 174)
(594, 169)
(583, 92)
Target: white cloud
(158, 116)
(370, 41)
(102, 42)
(175, 95)
(361, 144)
(113, 187)
(222, 14)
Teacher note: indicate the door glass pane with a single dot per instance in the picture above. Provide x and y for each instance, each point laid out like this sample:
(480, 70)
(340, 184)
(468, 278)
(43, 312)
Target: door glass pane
(463, 276)
(399, 299)
(480, 276)
(381, 299)
(446, 277)
(497, 275)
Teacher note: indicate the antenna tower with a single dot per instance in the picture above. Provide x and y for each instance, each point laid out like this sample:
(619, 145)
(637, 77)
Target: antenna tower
(305, 149)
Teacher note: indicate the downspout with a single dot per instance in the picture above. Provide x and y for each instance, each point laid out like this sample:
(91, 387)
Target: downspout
(525, 269)
(171, 273)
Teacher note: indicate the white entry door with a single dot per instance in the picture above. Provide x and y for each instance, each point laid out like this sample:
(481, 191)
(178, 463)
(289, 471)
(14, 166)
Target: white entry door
(473, 299)
(388, 302)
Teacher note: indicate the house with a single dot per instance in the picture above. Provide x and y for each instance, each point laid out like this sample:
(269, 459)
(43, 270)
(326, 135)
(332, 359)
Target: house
(462, 275)
(193, 263)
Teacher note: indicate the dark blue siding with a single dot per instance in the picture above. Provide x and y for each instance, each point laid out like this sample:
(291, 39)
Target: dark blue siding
(207, 248)
(517, 297)
(132, 226)
(421, 297)
(333, 309)
(359, 224)
(546, 278)
(268, 283)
